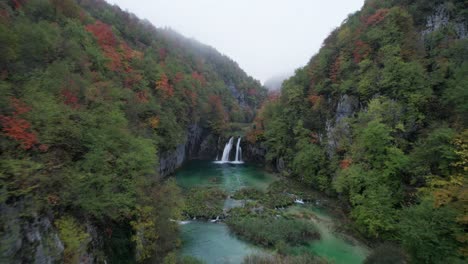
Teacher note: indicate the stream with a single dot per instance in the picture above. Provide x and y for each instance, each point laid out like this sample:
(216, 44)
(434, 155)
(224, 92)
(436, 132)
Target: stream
(213, 243)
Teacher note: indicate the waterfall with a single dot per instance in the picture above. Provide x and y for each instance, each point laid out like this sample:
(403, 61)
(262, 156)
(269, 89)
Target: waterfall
(238, 159)
(237, 150)
(226, 152)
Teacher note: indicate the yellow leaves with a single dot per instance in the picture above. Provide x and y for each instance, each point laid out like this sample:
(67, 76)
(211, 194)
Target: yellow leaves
(145, 235)
(153, 122)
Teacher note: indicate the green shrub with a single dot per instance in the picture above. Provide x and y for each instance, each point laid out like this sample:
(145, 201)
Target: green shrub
(204, 202)
(269, 231)
(74, 238)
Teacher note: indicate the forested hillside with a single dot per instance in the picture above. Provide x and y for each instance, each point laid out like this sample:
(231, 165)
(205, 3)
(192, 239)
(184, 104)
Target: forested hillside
(89, 97)
(378, 118)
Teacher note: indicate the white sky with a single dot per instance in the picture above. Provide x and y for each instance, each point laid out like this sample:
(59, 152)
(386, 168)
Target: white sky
(266, 37)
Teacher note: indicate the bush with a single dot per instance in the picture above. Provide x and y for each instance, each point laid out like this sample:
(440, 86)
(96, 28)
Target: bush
(74, 237)
(270, 231)
(204, 202)
(248, 194)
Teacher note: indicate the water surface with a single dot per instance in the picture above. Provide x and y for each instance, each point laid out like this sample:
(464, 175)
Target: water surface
(213, 243)
(230, 177)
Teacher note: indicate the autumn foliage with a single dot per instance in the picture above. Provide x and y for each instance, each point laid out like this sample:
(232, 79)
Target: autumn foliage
(361, 50)
(335, 69)
(164, 86)
(377, 17)
(18, 128)
(198, 77)
(70, 98)
(118, 52)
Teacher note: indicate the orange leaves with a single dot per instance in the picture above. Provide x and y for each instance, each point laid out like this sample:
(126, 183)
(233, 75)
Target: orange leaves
(162, 52)
(20, 107)
(316, 101)
(252, 92)
(198, 77)
(103, 34)
(361, 50)
(142, 97)
(17, 128)
(344, 164)
(335, 70)
(153, 122)
(377, 17)
(164, 86)
(70, 98)
(118, 52)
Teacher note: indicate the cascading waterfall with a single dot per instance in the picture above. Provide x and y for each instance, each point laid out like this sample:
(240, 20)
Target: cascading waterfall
(226, 152)
(238, 159)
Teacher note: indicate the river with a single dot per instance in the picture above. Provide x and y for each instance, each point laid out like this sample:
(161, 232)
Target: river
(213, 243)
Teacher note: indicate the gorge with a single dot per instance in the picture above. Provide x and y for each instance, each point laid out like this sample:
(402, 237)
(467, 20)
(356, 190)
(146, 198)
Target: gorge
(122, 142)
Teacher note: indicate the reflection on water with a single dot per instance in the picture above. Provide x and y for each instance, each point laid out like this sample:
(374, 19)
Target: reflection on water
(230, 177)
(213, 243)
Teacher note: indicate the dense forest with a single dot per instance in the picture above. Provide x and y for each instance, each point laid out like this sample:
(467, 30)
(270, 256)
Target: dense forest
(90, 96)
(93, 101)
(378, 118)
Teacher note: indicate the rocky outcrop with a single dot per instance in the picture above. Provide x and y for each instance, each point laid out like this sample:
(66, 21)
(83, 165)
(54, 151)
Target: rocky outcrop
(337, 129)
(31, 240)
(238, 95)
(198, 144)
(441, 18)
(254, 152)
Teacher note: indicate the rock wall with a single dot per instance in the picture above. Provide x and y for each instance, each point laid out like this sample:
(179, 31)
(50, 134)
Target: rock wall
(441, 18)
(337, 128)
(199, 144)
(28, 240)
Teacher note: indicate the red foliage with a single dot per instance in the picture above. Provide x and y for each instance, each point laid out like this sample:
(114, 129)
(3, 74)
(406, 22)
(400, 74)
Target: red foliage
(20, 107)
(17, 4)
(314, 137)
(43, 147)
(361, 50)
(200, 78)
(217, 107)
(132, 79)
(273, 96)
(344, 164)
(335, 69)
(377, 17)
(315, 100)
(162, 52)
(70, 98)
(142, 96)
(16, 127)
(164, 86)
(103, 33)
(178, 77)
(119, 53)
(252, 92)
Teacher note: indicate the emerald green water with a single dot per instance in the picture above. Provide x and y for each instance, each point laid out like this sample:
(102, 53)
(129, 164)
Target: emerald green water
(331, 246)
(212, 242)
(230, 177)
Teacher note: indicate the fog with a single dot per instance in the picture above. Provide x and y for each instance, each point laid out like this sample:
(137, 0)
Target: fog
(266, 37)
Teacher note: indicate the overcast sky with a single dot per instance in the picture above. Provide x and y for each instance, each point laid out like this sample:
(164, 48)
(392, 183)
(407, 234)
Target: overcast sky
(266, 37)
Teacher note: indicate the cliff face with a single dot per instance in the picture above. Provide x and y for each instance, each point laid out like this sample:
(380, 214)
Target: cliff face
(199, 143)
